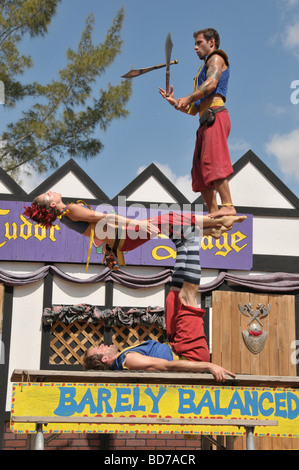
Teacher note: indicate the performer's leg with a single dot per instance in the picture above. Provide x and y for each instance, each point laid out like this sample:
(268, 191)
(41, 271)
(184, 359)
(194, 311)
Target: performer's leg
(187, 270)
(184, 322)
(171, 310)
(185, 329)
(187, 263)
(189, 340)
(209, 196)
(227, 207)
(186, 276)
(174, 224)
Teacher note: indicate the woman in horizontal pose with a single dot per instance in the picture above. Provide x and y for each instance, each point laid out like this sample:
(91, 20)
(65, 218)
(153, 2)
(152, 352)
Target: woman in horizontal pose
(121, 234)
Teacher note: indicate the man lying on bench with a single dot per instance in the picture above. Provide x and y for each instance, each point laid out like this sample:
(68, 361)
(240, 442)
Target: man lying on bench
(148, 356)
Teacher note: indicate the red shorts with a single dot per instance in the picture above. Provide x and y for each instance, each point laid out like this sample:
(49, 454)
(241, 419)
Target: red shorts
(172, 222)
(211, 159)
(185, 329)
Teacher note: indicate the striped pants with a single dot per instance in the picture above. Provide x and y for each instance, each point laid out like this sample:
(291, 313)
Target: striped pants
(187, 265)
(184, 232)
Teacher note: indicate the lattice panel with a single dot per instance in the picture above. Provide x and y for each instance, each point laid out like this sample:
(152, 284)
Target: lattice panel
(69, 342)
(124, 336)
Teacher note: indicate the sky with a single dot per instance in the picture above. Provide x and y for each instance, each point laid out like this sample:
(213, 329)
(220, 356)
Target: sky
(261, 38)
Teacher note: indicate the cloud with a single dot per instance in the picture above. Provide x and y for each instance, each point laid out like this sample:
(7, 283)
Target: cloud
(285, 148)
(182, 182)
(287, 6)
(291, 3)
(275, 110)
(238, 145)
(291, 37)
(287, 34)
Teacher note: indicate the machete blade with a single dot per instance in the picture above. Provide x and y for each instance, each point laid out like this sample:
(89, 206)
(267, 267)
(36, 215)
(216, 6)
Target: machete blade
(168, 50)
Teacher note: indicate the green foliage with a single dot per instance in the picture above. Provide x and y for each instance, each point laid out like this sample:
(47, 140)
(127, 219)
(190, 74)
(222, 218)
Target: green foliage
(65, 116)
(17, 19)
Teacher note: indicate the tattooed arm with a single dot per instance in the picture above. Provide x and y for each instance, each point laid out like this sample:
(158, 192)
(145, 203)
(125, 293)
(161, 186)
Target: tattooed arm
(215, 66)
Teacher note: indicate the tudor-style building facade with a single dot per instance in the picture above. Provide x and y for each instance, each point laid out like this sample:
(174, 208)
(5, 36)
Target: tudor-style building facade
(37, 278)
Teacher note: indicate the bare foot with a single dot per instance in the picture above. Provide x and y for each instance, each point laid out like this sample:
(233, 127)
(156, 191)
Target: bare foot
(217, 232)
(213, 231)
(229, 220)
(225, 210)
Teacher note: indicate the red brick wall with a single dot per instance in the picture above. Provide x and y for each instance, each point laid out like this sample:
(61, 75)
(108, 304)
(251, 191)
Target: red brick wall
(160, 442)
(154, 442)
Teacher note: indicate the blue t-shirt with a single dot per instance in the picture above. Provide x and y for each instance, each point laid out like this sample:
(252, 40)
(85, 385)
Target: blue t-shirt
(148, 348)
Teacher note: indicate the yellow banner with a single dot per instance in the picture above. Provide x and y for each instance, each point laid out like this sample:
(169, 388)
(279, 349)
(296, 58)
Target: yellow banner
(64, 401)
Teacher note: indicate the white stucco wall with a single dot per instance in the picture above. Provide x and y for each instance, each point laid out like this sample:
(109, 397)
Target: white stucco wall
(276, 236)
(26, 332)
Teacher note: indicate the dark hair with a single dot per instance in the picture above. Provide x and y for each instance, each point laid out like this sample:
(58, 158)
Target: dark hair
(94, 362)
(41, 212)
(209, 33)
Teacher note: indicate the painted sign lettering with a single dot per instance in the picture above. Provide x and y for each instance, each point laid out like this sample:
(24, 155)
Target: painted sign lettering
(165, 401)
(26, 241)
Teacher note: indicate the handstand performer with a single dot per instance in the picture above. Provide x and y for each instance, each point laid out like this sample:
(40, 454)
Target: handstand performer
(185, 333)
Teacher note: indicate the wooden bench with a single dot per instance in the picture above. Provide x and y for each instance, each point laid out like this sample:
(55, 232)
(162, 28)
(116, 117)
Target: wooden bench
(189, 378)
(140, 377)
(248, 424)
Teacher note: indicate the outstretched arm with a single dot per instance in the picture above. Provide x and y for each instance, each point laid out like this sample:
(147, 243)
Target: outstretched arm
(135, 361)
(78, 212)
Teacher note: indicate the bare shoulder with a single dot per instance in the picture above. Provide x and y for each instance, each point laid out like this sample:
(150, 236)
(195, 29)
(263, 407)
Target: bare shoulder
(215, 60)
(77, 211)
(218, 58)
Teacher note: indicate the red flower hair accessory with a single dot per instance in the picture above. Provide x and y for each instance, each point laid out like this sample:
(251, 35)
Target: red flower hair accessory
(41, 215)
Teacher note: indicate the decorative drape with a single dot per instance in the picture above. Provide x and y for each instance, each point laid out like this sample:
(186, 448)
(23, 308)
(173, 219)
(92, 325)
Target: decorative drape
(120, 277)
(274, 282)
(109, 316)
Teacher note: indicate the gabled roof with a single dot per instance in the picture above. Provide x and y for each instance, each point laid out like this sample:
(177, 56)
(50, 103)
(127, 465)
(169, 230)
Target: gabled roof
(152, 186)
(277, 184)
(254, 185)
(72, 182)
(8, 187)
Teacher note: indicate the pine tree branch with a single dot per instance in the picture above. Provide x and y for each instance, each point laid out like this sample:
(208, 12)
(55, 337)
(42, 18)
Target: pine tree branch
(41, 129)
(30, 134)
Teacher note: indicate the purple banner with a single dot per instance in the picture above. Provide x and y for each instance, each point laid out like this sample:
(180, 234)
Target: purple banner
(22, 240)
